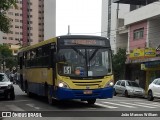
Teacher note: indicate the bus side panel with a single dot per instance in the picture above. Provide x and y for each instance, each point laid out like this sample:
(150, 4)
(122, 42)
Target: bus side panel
(38, 79)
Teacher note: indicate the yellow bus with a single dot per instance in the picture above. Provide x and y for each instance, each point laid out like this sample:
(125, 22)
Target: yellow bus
(68, 67)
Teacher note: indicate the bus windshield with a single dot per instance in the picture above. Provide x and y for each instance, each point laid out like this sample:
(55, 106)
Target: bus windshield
(88, 62)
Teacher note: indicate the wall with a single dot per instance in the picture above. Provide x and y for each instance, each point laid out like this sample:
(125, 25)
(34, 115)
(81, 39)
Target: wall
(123, 9)
(140, 43)
(143, 13)
(154, 33)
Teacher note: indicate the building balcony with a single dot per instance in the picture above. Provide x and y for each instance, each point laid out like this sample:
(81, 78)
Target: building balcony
(146, 12)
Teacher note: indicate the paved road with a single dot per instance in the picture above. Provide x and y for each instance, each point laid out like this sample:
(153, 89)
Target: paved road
(118, 103)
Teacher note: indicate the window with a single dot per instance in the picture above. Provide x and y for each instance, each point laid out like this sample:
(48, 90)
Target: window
(10, 38)
(11, 32)
(10, 13)
(155, 81)
(16, 20)
(16, 14)
(123, 83)
(158, 82)
(118, 82)
(138, 34)
(16, 26)
(4, 37)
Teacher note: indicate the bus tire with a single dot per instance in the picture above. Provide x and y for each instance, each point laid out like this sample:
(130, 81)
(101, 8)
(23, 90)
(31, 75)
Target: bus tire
(91, 102)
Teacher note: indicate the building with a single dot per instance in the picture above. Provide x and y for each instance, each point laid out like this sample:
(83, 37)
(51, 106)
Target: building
(39, 18)
(141, 27)
(15, 36)
(117, 19)
(32, 22)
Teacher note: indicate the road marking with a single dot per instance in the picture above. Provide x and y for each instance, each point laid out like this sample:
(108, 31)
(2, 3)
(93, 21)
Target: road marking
(33, 106)
(107, 106)
(18, 101)
(137, 105)
(120, 105)
(152, 104)
(30, 105)
(156, 103)
(121, 100)
(14, 108)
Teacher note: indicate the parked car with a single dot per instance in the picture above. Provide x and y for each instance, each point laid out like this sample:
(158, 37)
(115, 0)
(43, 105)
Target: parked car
(6, 87)
(128, 88)
(154, 89)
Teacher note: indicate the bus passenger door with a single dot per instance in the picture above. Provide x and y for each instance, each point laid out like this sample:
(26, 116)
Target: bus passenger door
(20, 75)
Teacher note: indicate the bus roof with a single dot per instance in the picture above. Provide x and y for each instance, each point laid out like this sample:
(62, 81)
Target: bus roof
(81, 36)
(38, 44)
(61, 37)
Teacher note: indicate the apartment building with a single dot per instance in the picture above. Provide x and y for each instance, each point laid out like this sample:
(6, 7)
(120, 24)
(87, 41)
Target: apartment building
(38, 20)
(32, 22)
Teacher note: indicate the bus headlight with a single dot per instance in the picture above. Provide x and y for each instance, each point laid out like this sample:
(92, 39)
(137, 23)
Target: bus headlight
(109, 84)
(62, 85)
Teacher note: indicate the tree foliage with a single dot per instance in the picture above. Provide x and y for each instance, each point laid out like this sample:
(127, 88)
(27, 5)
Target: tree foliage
(5, 51)
(119, 64)
(5, 22)
(6, 55)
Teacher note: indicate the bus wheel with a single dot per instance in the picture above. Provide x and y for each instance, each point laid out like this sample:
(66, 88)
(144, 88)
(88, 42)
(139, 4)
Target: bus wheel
(91, 102)
(50, 100)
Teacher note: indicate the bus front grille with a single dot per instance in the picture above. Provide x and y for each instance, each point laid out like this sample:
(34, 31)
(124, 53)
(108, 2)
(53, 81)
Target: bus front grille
(90, 83)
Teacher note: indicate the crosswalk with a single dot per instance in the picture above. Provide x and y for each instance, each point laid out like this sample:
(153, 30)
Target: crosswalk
(130, 105)
(133, 105)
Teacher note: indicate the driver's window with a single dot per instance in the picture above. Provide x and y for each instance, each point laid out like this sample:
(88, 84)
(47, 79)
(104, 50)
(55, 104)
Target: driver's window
(123, 84)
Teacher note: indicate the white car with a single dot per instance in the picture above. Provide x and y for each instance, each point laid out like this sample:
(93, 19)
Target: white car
(6, 87)
(128, 88)
(154, 89)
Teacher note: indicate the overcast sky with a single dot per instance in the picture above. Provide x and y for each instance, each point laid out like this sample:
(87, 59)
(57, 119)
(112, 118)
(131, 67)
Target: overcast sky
(83, 16)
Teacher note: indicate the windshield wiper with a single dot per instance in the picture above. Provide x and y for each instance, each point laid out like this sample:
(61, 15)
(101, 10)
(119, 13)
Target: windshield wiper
(93, 54)
(78, 52)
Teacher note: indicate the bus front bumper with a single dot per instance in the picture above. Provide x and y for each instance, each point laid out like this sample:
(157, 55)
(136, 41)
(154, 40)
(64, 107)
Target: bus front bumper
(66, 94)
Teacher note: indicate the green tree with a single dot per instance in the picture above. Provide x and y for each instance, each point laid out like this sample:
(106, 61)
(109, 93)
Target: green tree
(5, 22)
(6, 55)
(119, 64)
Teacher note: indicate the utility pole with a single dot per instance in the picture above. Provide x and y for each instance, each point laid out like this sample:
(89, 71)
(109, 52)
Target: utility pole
(69, 30)
(109, 19)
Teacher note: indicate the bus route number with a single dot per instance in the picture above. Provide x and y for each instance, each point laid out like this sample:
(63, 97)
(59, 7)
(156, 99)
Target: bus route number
(67, 70)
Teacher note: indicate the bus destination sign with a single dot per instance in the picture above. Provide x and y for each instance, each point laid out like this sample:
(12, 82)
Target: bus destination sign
(84, 42)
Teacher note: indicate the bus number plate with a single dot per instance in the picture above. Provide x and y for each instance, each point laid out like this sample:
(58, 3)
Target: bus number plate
(87, 92)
